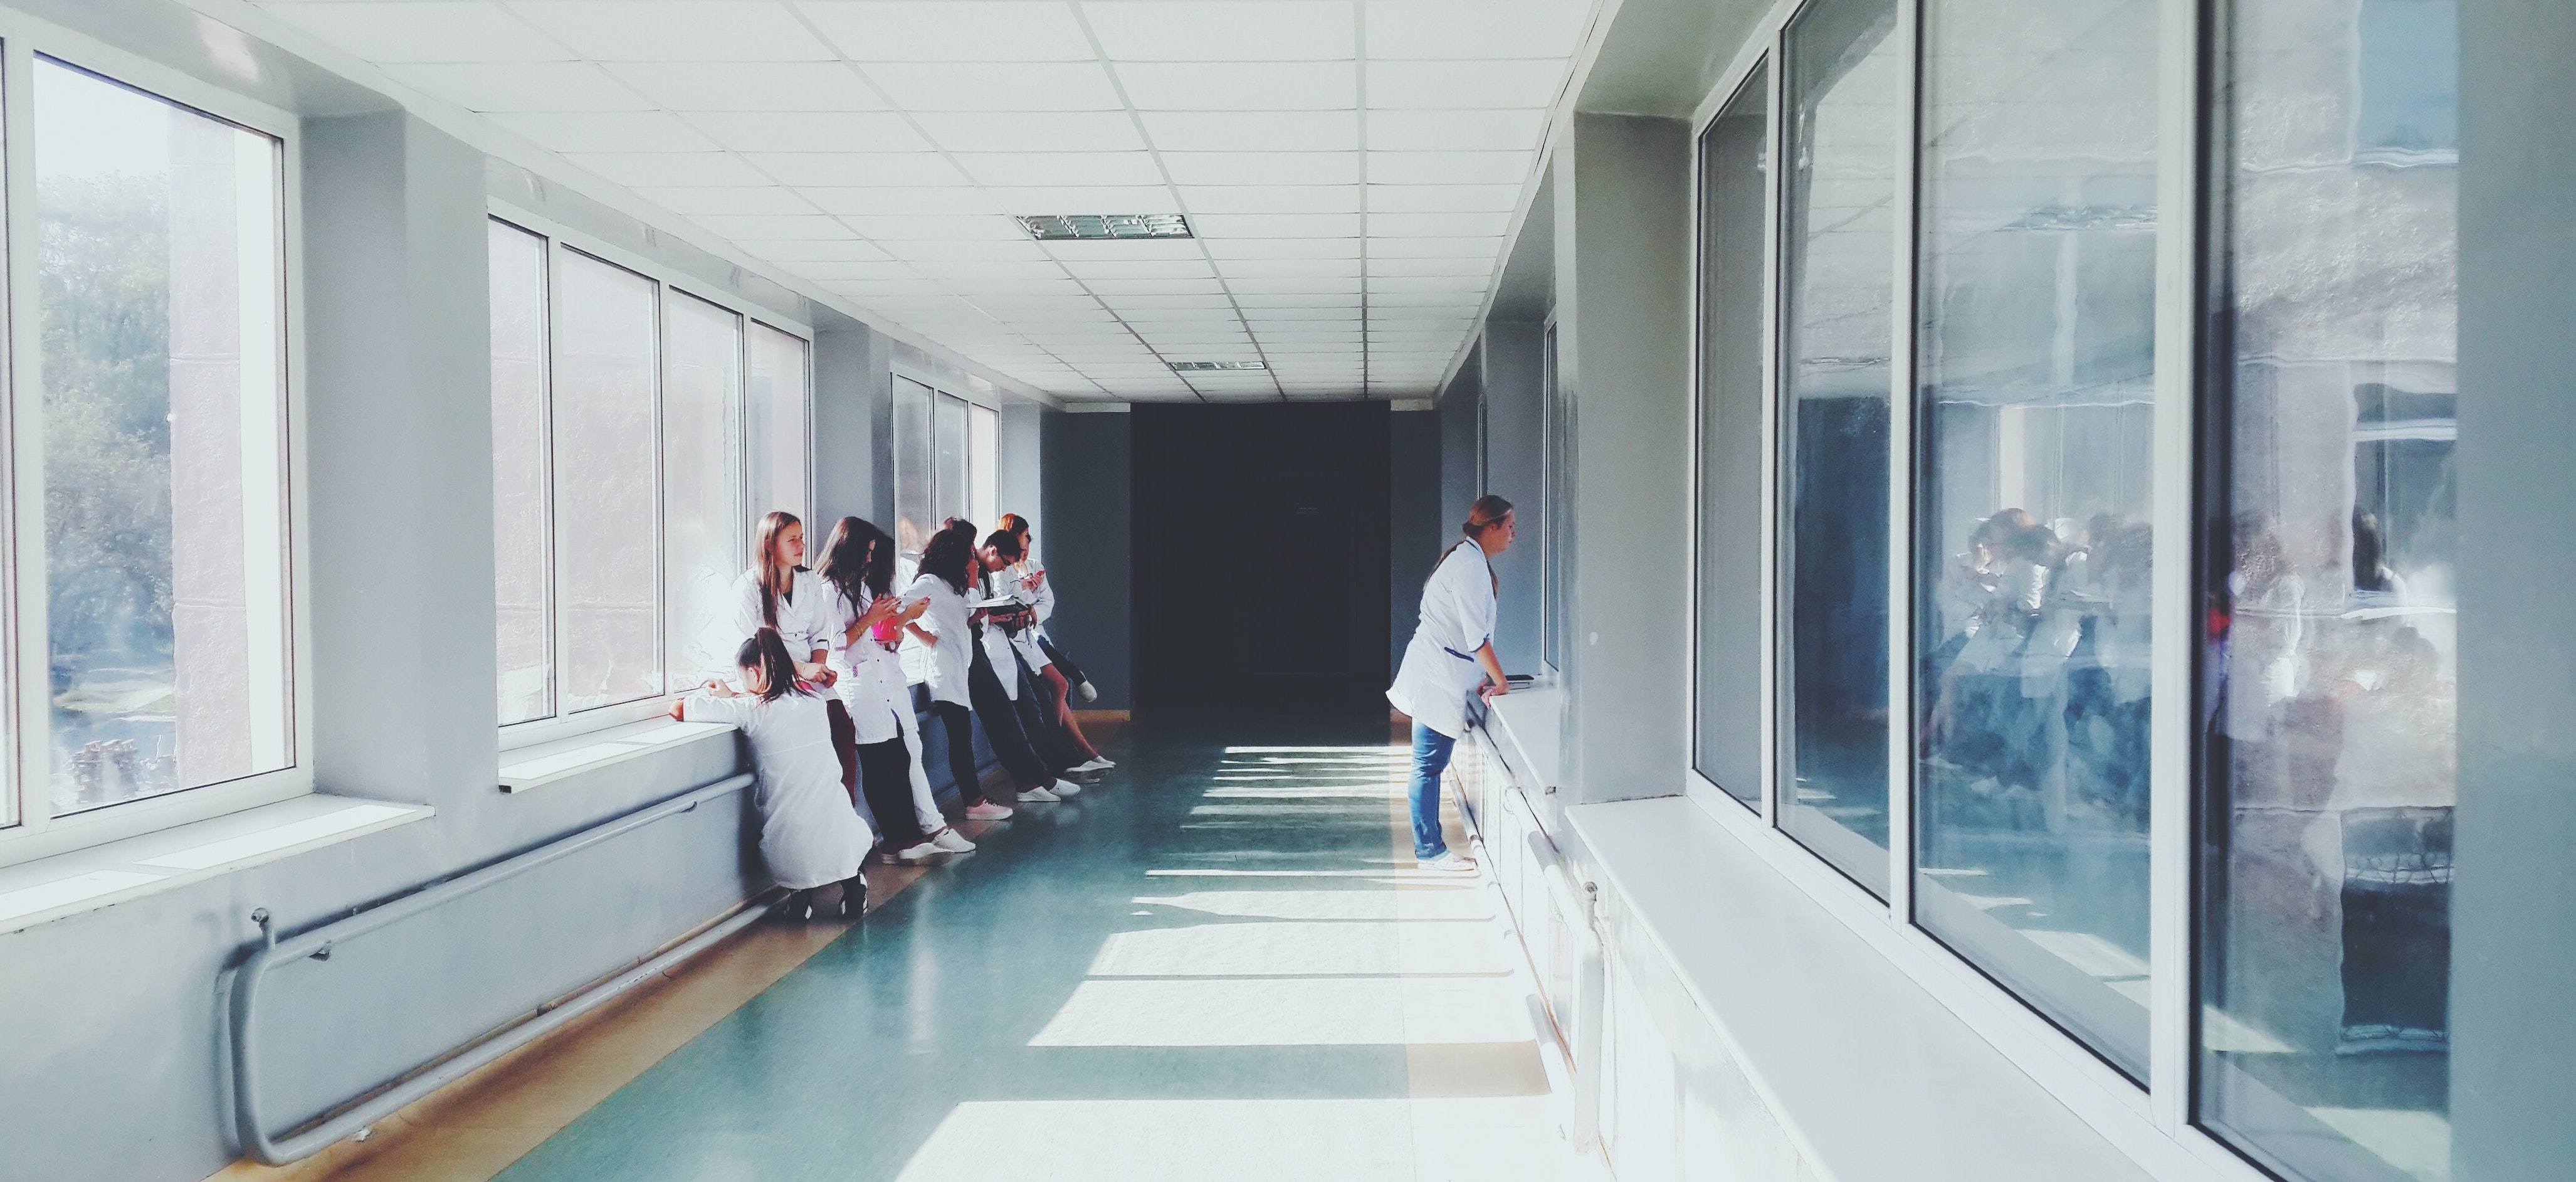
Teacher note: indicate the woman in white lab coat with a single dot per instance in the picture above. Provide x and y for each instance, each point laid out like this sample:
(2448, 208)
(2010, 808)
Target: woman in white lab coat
(947, 632)
(866, 623)
(1025, 580)
(1451, 656)
(813, 841)
(778, 593)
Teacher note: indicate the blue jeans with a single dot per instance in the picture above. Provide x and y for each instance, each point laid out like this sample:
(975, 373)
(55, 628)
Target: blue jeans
(1430, 758)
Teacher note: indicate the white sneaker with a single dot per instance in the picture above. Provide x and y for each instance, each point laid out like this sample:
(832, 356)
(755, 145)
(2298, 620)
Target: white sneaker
(1066, 788)
(1039, 796)
(952, 841)
(919, 853)
(1089, 694)
(1096, 765)
(1449, 862)
(985, 810)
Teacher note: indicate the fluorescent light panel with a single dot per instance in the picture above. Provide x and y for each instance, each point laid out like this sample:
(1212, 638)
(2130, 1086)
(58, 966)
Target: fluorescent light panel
(1056, 227)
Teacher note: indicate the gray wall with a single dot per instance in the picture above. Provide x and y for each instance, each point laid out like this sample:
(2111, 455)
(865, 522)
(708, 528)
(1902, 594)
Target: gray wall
(2513, 908)
(1086, 473)
(1414, 530)
(1515, 421)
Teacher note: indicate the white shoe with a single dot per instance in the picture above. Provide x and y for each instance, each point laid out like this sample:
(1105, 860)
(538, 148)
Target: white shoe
(985, 810)
(1089, 694)
(1449, 862)
(919, 853)
(1066, 788)
(1097, 764)
(1039, 796)
(951, 841)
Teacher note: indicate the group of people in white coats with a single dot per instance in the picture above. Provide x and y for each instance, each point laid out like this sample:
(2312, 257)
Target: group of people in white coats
(819, 689)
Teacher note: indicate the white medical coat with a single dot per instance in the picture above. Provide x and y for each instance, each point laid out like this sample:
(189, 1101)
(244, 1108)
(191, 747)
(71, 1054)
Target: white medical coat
(1440, 665)
(810, 835)
(948, 660)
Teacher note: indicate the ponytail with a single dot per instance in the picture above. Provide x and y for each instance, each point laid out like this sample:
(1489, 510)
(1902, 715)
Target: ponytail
(765, 653)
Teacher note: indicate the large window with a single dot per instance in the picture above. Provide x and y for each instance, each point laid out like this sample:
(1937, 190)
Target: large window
(2330, 740)
(638, 430)
(160, 287)
(1845, 122)
(947, 454)
(983, 465)
(915, 517)
(2035, 363)
(1727, 742)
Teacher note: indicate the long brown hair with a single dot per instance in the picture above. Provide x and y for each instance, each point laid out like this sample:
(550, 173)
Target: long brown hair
(1488, 512)
(776, 578)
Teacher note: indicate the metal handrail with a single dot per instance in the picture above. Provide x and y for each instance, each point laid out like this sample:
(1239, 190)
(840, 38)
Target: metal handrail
(317, 943)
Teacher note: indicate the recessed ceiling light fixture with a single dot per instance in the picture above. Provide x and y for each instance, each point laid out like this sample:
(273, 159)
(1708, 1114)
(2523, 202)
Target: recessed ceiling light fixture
(1200, 366)
(1057, 227)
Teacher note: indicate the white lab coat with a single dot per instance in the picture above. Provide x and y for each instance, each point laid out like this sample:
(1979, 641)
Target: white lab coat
(997, 644)
(809, 833)
(1042, 599)
(873, 688)
(946, 662)
(802, 614)
(1440, 666)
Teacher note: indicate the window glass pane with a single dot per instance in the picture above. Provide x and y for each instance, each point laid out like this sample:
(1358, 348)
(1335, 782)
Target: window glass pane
(1846, 119)
(2037, 420)
(774, 422)
(983, 461)
(523, 611)
(2331, 658)
(950, 435)
(159, 274)
(605, 520)
(1734, 176)
(1554, 493)
(705, 533)
(914, 521)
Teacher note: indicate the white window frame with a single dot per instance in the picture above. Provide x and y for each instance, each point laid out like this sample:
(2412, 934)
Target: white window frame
(563, 724)
(2151, 1122)
(35, 831)
(942, 387)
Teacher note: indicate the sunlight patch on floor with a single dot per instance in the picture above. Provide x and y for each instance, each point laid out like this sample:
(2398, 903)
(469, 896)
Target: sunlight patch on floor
(1338, 904)
(1293, 949)
(1286, 1012)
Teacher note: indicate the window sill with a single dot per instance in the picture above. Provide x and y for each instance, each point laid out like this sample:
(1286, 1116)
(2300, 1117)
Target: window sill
(528, 768)
(1525, 729)
(1871, 1075)
(101, 876)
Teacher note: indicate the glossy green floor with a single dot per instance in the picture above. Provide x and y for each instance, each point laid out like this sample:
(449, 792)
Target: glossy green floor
(1219, 963)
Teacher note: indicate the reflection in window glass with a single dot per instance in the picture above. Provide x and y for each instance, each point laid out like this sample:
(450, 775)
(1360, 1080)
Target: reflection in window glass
(2037, 367)
(1846, 119)
(2330, 735)
(159, 284)
(523, 613)
(914, 521)
(1734, 171)
(1555, 505)
(705, 532)
(774, 423)
(949, 434)
(605, 520)
(983, 463)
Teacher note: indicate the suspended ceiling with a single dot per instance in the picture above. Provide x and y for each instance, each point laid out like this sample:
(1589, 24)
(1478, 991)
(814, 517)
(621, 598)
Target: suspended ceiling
(1349, 166)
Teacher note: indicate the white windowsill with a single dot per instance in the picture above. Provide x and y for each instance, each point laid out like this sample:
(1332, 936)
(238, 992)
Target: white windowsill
(1869, 1073)
(101, 876)
(1524, 725)
(536, 766)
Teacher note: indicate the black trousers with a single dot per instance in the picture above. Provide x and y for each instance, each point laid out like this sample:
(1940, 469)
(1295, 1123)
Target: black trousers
(1036, 708)
(1063, 664)
(1001, 719)
(959, 723)
(885, 770)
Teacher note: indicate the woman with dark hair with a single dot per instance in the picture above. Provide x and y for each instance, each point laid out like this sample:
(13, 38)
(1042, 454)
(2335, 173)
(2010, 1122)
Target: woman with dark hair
(866, 622)
(1452, 655)
(946, 631)
(1018, 662)
(813, 841)
(1026, 580)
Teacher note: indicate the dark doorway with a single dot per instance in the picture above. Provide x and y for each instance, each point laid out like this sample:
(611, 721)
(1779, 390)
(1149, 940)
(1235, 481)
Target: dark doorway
(1261, 573)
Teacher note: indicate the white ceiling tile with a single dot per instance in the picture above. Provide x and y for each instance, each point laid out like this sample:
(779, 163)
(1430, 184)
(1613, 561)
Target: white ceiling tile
(1269, 225)
(749, 86)
(854, 271)
(931, 252)
(1271, 198)
(996, 86)
(645, 169)
(1031, 286)
(1248, 300)
(726, 199)
(1385, 298)
(1140, 269)
(1454, 86)
(1295, 284)
(1435, 225)
(521, 86)
(1076, 250)
(1239, 31)
(1241, 86)
(1061, 168)
(1034, 199)
(1251, 247)
(815, 250)
(1434, 248)
(799, 228)
(872, 287)
(676, 30)
(1450, 168)
(423, 31)
(951, 200)
(953, 30)
(1125, 287)
(1475, 28)
(1263, 168)
(809, 131)
(966, 273)
(1032, 131)
(1443, 198)
(608, 131)
(1433, 266)
(1253, 131)
(856, 169)
(1303, 315)
(1456, 131)
(986, 227)
(1126, 304)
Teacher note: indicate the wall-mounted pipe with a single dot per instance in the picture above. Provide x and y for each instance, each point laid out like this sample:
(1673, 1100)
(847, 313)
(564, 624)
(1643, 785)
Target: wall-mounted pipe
(252, 1128)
